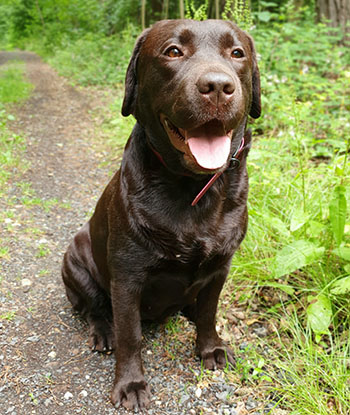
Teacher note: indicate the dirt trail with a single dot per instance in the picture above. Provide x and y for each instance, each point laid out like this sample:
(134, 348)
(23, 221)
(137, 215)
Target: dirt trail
(43, 353)
(46, 365)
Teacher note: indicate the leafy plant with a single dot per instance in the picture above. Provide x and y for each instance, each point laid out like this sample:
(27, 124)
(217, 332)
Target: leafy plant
(199, 13)
(239, 12)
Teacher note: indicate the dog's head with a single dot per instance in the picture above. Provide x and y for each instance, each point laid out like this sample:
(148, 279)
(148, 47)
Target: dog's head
(191, 85)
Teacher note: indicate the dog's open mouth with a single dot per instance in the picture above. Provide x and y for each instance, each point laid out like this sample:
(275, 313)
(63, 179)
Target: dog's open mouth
(207, 145)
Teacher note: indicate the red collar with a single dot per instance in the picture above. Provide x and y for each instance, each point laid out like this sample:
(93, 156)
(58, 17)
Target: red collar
(234, 162)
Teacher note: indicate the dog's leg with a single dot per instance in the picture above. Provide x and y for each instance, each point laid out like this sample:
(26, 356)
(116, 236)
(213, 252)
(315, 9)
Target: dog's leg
(211, 348)
(130, 388)
(86, 296)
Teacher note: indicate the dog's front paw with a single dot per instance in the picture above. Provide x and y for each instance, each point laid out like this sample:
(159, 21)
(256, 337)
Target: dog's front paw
(131, 395)
(217, 358)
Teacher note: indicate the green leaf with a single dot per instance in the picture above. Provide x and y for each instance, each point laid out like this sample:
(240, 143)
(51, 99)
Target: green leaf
(277, 224)
(295, 256)
(314, 228)
(264, 16)
(299, 218)
(319, 314)
(337, 213)
(284, 287)
(343, 252)
(341, 286)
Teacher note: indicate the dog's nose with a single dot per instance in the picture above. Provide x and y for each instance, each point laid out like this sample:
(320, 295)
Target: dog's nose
(218, 86)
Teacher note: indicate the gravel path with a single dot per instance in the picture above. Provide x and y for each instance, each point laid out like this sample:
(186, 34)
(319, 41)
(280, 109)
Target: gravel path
(46, 366)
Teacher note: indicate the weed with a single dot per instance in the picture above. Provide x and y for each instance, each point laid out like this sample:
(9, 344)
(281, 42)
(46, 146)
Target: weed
(4, 252)
(9, 316)
(173, 325)
(48, 378)
(43, 251)
(199, 375)
(33, 398)
(65, 205)
(310, 376)
(33, 231)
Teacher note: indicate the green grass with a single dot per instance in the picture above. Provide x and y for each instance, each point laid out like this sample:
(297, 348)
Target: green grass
(13, 89)
(13, 86)
(117, 128)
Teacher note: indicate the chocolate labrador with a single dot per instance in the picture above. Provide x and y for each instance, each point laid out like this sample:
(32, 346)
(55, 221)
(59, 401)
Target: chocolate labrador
(165, 228)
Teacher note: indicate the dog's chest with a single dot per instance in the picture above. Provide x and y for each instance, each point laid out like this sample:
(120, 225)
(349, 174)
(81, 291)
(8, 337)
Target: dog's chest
(174, 283)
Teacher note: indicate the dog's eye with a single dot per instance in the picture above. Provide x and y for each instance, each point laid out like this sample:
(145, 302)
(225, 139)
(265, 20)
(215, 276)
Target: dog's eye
(173, 52)
(237, 53)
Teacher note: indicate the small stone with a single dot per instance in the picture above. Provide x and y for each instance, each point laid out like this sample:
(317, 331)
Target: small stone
(260, 331)
(184, 398)
(52, 355)
(83, 394)
(239, 314)
(26, 282)
(33, 339)
(243, 346)
(222, 396)
(47, 402)
(251, 404)
(198, 392)
(68, 395)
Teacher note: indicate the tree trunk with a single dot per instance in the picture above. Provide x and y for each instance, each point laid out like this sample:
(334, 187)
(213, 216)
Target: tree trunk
(182, 9)
(165, 10)
(143, 14)
(337, 12)
(217, 9)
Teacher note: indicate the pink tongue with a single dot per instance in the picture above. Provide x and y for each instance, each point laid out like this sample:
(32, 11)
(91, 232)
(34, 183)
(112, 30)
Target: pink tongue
(210, 152)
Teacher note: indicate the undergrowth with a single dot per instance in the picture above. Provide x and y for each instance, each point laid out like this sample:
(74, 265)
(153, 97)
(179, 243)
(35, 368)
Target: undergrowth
(298, 241)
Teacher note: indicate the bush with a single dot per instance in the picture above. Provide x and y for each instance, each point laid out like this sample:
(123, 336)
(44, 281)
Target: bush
(96, 59)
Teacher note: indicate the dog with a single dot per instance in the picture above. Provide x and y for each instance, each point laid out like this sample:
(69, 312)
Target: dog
(165, 229)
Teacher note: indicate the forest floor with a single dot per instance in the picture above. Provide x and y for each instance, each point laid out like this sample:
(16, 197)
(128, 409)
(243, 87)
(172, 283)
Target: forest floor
(46, 365)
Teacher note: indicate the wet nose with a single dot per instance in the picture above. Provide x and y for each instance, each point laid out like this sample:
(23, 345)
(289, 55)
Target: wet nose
(217, 86)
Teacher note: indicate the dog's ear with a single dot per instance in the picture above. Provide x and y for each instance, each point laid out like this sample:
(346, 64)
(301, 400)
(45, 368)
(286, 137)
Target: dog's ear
(255, 109)
(131, 79)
